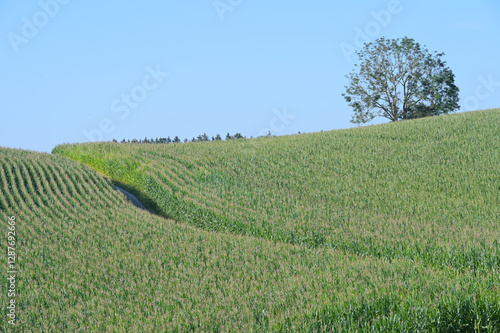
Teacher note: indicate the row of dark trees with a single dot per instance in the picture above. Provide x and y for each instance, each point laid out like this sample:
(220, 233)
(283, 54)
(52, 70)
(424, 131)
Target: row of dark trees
(200, 138)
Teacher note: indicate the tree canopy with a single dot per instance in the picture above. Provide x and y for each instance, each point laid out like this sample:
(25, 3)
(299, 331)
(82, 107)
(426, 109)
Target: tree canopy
(398, 79)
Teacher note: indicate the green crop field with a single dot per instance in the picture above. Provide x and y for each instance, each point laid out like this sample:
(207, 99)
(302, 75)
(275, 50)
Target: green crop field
(389, 228)
(424, 190)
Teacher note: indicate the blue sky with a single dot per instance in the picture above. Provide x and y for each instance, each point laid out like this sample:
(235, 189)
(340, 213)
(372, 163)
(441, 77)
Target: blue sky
(74, 71)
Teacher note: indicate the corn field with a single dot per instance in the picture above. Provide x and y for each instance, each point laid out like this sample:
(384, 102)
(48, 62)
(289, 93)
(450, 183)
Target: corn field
(390, 228)
(423, 190)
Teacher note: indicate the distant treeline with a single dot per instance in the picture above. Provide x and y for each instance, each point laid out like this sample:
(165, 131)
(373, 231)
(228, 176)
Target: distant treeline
(176, 139)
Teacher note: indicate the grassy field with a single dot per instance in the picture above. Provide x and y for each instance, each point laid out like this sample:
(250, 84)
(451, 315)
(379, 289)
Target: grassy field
(388, 228)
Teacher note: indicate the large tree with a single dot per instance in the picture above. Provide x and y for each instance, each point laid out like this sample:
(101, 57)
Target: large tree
(398, 79)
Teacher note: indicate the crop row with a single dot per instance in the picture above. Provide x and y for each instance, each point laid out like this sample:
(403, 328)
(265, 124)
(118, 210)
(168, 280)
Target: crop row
(423, 190)
(89, 261)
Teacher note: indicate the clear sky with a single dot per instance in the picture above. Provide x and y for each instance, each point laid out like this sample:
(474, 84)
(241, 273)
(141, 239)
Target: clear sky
(76, 71)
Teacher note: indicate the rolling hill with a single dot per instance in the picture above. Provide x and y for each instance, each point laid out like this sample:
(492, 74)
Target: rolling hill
(425, 190)
(390, 228)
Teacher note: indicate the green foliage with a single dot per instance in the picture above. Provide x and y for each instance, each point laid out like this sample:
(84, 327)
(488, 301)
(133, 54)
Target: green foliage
(317, 232)
(89, 261)
(433, 198)
(398, 79)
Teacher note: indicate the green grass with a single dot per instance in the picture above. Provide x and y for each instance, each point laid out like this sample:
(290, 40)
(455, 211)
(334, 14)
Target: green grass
(390, 228)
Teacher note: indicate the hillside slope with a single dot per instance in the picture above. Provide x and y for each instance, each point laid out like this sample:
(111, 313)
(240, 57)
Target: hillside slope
(87, 260)
(425, 190)
(391, 227)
